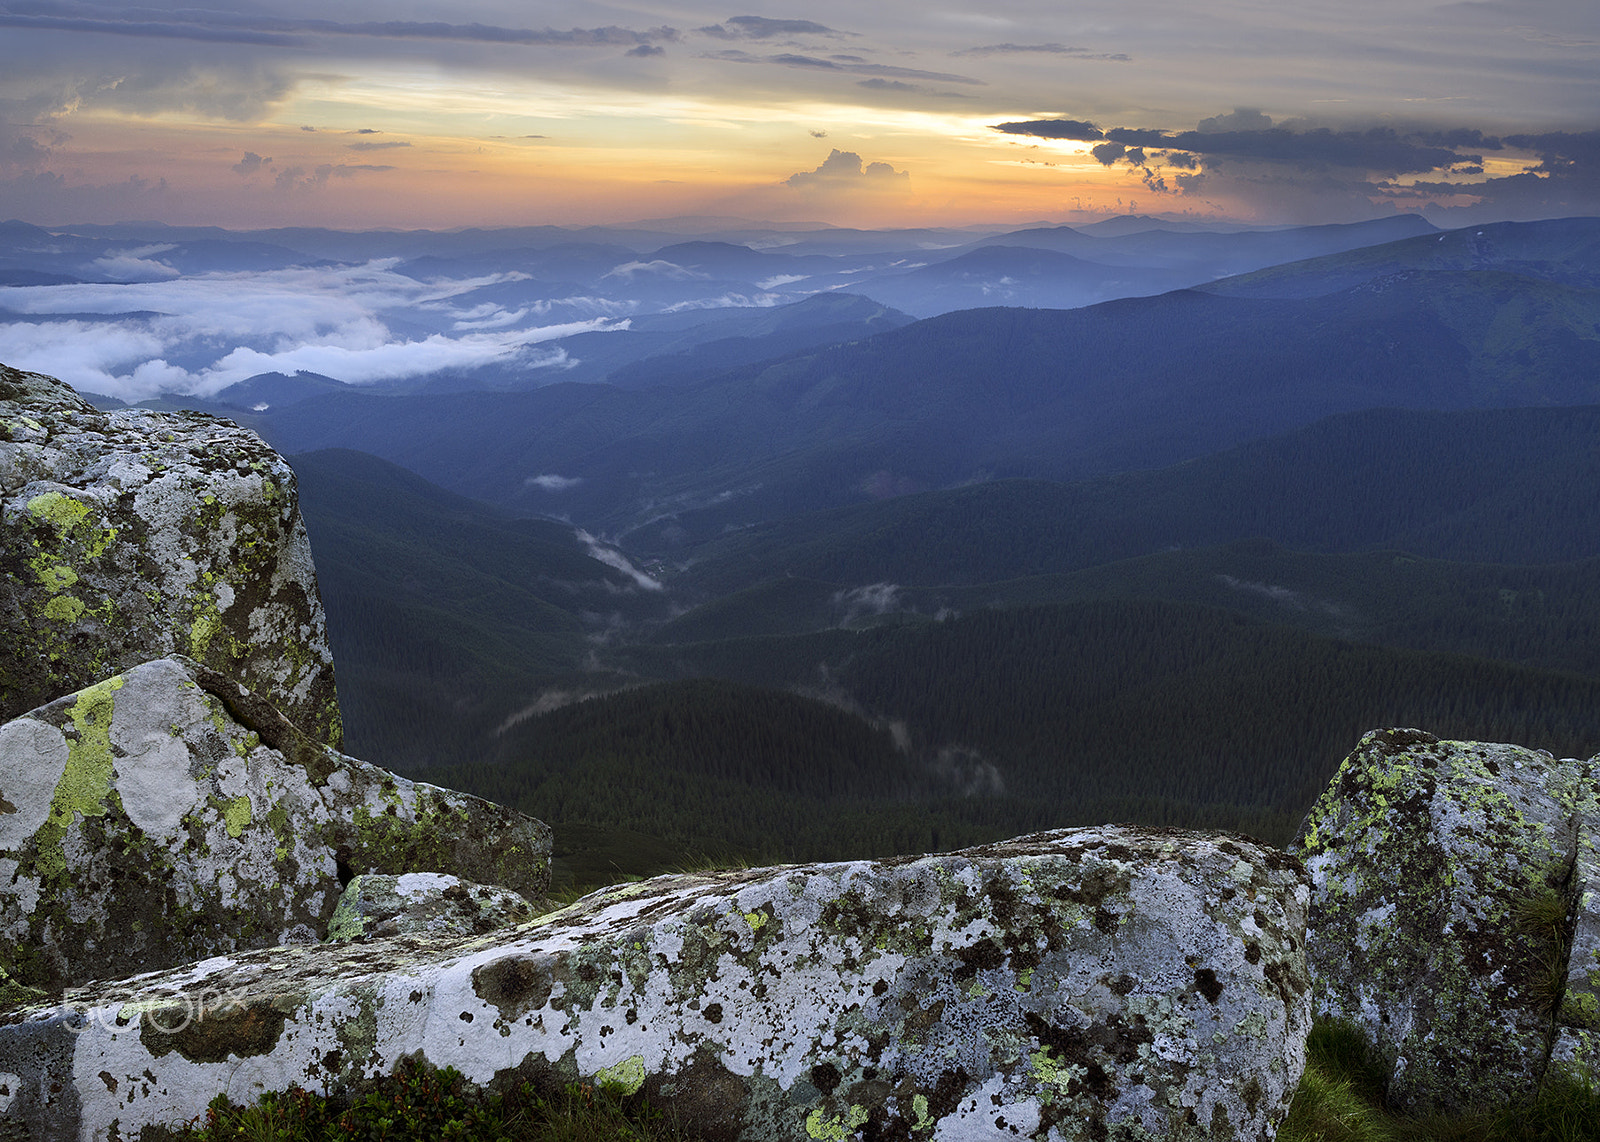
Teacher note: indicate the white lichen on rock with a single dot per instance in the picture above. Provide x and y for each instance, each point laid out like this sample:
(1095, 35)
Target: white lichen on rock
(1443, 877)
(1100, 983)
(164, 815)
(131, 535)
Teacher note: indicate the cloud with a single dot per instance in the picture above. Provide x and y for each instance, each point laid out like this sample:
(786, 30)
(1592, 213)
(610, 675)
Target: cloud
(645, 50)
(875, 600)
(816, 63)
(1239, 119)
(1074, 130)
(292, 180)
(137, 265)
(658, 268)
(257, 29)
(385, 146)
(762, 28)
(611, 557)
(1246, 134)
(20, 148)
(250, 164)
(843, 170)
(1042, 49)
(200, 334)
(553, 483)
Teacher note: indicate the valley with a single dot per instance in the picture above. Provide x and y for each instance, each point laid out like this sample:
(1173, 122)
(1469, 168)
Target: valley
(842, 566)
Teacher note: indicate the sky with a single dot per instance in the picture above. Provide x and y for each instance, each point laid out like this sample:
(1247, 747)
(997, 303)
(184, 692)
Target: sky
(413, 113)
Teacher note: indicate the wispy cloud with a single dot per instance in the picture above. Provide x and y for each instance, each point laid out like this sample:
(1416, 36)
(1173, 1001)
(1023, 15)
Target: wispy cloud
(211, 26)
(1051, 49)
(818, 63)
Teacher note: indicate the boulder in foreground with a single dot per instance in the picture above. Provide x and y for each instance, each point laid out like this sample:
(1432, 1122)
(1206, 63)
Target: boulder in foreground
(126, 536)
(1448, 879)
(1084, 984)
(166, 814)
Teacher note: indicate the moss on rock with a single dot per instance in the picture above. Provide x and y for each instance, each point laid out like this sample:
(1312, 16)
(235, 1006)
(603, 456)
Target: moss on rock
(134, 534)
(152, 827)
(1088, 984)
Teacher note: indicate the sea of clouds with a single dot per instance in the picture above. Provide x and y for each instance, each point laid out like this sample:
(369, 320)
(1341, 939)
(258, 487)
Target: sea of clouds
(361, 324)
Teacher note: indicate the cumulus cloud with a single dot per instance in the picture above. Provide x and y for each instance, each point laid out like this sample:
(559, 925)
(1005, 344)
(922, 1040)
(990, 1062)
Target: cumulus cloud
(250, 164)
(200, 334)
(843, 170)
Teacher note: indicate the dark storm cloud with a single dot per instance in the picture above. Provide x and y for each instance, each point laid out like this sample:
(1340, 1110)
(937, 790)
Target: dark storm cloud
(1378, 149)
(1042, 49)
(1074, 130)
(272, 31)
(1245, 156)
(762, 28)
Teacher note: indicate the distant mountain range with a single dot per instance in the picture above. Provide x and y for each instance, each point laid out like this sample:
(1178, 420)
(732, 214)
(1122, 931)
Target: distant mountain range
(983, 394)
(814, 569)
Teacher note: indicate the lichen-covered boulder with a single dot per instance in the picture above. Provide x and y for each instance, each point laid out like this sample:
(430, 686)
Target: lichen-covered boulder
(130, 535)
(424, 904)
(1577, 1038)
(1109, 983)
(165, 814)
(1442, 878)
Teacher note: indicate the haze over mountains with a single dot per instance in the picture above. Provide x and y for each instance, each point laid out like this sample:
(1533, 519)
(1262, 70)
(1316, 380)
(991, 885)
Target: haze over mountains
(1065, 525)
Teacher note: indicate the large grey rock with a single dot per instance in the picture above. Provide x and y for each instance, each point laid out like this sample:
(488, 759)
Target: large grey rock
(1111, 983)
(130, 535)
(165, 814)
(1443, 879)
(424, 904)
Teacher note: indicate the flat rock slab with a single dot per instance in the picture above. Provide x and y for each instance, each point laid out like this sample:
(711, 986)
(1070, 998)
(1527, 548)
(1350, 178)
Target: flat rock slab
(1098, 984)
(1444, 876)
(165, 815)
(126, 536)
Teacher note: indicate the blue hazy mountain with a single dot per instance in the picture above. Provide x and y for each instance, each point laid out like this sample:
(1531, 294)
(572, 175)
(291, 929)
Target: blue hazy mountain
(982, 394)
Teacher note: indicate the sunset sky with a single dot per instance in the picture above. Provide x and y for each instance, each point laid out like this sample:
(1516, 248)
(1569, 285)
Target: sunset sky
(413, 113)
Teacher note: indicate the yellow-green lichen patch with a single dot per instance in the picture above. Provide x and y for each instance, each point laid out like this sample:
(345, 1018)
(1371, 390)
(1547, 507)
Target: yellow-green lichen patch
(836, 1128)
(62, 512)
(63, 609)
(236, 817)
(624, 1078)
(86, 781)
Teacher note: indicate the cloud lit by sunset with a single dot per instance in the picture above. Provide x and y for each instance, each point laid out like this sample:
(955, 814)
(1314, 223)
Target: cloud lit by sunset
(490, 113)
